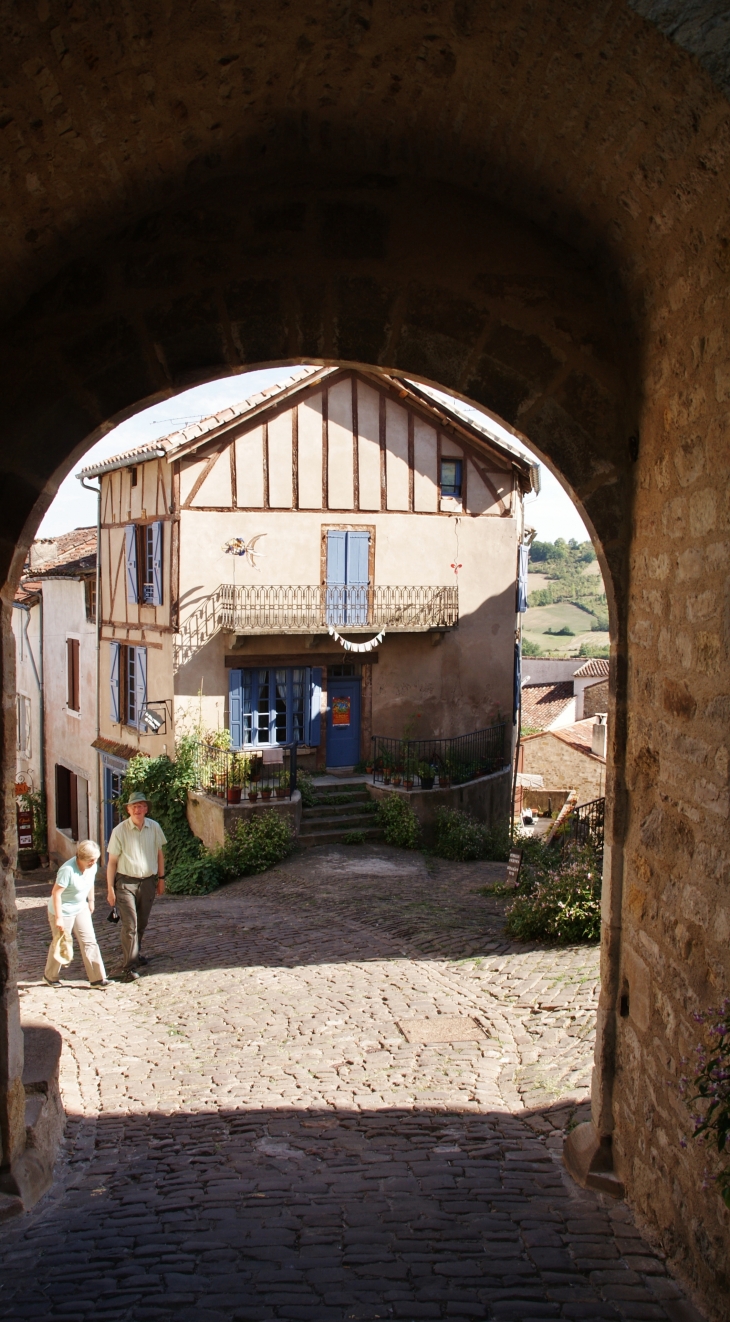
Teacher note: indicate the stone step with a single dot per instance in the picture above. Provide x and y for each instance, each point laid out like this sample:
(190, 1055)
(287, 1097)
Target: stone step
(359, 804)
(356, 787)
(333, 837)
(345, 821)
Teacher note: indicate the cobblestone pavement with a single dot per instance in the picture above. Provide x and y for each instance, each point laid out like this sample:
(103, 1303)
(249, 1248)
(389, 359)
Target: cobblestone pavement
(251, 1134)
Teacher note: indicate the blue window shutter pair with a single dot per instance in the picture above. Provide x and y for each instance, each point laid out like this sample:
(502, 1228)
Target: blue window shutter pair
(130, 546)
(140, 683)
(347, 558)
(311, 714)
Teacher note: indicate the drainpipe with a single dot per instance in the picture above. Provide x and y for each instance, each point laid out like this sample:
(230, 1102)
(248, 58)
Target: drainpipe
(99, 794)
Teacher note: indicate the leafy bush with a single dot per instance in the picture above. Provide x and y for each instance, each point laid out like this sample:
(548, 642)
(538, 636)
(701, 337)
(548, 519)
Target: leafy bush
(305, 785)
(463, 838)
(354, 838)
(711, 1087)
(399, 822)
(594, 649)
(258, 843)
(559, 897)
(189, 867)
(530, 649)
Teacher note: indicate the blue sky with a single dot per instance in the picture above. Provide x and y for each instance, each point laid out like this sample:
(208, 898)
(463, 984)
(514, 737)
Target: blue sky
(552, 513)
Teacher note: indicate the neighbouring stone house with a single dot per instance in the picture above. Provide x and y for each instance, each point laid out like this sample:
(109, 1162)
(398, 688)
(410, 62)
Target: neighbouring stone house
(571, 757)
(559, 691)
(350, 502)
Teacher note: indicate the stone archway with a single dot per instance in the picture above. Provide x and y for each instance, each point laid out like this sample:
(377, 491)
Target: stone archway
(525, 211)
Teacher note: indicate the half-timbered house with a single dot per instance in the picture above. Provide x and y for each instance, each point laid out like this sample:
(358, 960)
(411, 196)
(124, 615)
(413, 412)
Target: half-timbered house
(238, 554)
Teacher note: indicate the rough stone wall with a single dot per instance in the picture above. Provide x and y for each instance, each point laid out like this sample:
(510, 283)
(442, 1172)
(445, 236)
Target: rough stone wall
(595, 699)
(564, 767)
(524, 204)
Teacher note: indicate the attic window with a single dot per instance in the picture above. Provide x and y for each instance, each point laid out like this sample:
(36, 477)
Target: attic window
(133, 474)
(451, 478)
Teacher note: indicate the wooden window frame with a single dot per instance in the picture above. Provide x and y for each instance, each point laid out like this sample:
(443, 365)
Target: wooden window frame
(73, 675)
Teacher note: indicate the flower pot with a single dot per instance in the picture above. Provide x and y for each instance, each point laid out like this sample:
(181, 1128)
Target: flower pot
(408, 784)
(386, 779)
(368, 768)
(234, 793)
(253, 795)
(281, 792)
(444, 782)
(266, 794)
(427, 782)
(396, 780)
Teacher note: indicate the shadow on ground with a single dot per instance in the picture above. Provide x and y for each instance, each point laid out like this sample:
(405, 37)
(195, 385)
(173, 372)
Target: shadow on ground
(235, 1216)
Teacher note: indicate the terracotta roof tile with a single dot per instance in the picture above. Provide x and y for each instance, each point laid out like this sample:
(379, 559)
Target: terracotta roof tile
(50, 552)
(579, 736)
(543, 703)
(597, 665)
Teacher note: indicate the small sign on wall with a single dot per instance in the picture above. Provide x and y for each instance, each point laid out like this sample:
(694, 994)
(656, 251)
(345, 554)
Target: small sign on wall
(25, 829)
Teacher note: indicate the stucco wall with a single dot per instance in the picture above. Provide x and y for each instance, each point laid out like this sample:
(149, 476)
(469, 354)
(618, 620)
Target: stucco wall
(564, 767)
(69, 736)
(27, 633)
(487, 799)
(211, 819)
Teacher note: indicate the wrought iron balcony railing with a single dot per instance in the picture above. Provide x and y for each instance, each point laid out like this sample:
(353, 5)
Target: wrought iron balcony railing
(260, 609)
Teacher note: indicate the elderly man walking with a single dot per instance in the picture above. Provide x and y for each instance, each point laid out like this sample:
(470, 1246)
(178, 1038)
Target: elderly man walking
(135, 874)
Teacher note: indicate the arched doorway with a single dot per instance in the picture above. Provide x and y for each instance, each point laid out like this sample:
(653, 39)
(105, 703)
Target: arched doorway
(565, 278)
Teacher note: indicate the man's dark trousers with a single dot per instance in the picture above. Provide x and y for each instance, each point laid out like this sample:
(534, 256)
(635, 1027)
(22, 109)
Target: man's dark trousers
(135, 897)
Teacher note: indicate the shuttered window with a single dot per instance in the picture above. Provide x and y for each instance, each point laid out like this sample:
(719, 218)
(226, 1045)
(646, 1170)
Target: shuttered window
(128, 684)
(143, 551)
(72, 674)
(348, 574)
(274, 706)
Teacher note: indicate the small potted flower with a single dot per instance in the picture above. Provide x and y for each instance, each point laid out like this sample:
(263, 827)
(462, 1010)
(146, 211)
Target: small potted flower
(266, 791)
(282, 784)
(236, 778)
(397, 775)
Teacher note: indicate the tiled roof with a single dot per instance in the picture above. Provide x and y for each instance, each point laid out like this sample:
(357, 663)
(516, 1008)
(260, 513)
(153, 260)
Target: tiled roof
(48, 553)
(176, 439)
(579, 736)
(597, 665)
(185, 439)
(543, 703)
(124, 751)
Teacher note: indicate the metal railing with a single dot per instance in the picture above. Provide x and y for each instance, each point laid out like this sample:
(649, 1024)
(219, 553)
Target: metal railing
(585, 825)
(262, 609)
(236, 774)
(438, 763)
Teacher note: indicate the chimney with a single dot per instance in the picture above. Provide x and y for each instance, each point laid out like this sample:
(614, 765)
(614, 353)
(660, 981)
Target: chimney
(600, 730)
(42, 552)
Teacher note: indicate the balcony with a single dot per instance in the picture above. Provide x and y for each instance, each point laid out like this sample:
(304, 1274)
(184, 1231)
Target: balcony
(258, 609)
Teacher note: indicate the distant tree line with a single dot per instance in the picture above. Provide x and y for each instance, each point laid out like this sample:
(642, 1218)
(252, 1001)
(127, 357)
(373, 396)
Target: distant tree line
(564, 563)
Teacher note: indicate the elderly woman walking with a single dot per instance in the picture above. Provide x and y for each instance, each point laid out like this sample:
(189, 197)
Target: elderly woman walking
(69, 912)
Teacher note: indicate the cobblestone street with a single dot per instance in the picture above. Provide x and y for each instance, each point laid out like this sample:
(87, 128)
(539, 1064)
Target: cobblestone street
(259, 1128)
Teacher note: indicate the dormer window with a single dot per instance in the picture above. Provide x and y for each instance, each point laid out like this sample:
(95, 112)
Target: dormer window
(451, 478)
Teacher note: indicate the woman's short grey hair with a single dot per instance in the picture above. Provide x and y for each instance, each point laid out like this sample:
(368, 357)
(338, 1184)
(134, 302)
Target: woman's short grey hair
(88, 849)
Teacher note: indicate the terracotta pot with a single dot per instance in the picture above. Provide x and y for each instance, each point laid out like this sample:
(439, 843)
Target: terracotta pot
(253, 795)
(444, 782)
(408, 784)
(368, 768)
(396, 780)
(386, 780)
(266, 794)
(281, 792)
(234, 793)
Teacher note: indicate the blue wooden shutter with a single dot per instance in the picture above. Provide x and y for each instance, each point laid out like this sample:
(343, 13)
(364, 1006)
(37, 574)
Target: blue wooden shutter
(235, 708)
(140, 685)
(358, 546)
(336, 557)
(130, 544)
(157, 564)
(523, 557)
(114, 681)
(312, 728)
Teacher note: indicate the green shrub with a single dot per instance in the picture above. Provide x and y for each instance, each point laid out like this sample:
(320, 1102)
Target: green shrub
(354, 838)
(258, 843)
(559, 897)
(399, 822)
(595, 649)
(530, 649)
(189, 867)
(464, 839)
(305, 785)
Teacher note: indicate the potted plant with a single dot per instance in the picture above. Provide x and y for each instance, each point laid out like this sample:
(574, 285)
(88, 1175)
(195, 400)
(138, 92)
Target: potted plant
(426, 775)
(254, 769)
(266, 791)
(236, 778)
(253, 793)
(397, 774)
(282, 784)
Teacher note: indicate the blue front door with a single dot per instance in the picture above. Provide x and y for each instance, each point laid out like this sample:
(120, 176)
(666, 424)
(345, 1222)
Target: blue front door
(343, 722)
